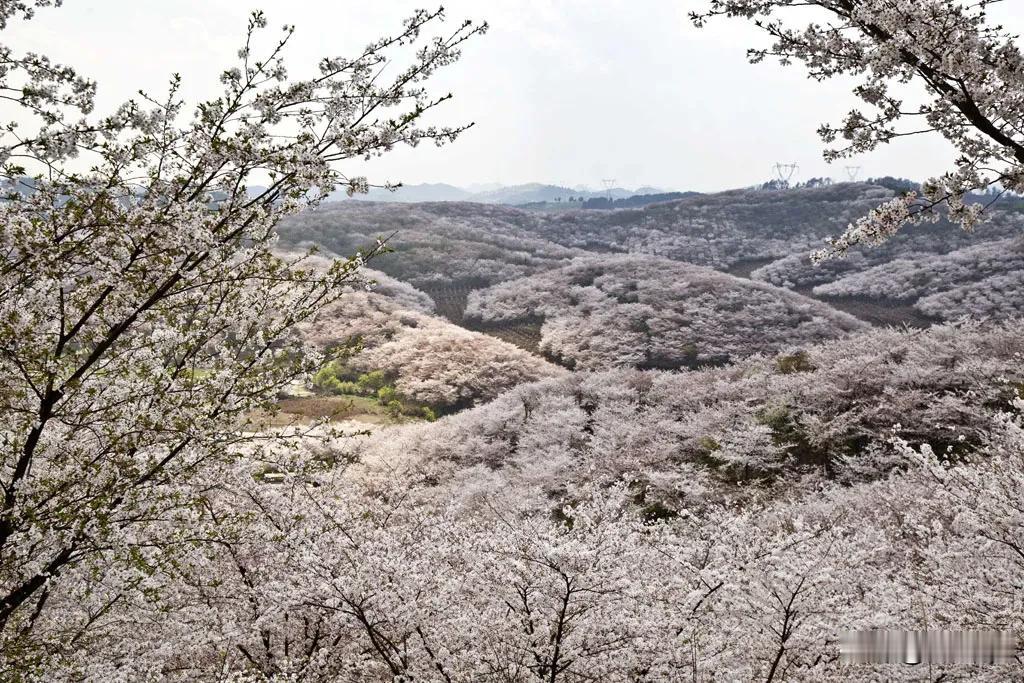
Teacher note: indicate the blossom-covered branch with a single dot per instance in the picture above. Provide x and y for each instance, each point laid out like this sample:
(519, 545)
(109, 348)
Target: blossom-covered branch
(970, 69)
(145, 317)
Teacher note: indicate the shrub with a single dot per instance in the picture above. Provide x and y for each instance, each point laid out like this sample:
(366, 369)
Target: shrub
(325, 380)
(372, 382)
(789, 433)
(386, 395)
(797, 362)
(333, 379)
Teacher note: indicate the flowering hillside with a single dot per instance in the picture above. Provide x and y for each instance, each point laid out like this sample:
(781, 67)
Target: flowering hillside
(643, 311)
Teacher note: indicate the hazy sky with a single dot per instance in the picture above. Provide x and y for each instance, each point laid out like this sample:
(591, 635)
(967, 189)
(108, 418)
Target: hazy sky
(562, 91)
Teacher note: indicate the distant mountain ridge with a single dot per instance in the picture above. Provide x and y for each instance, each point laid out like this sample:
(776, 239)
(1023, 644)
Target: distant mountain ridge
(492, 193)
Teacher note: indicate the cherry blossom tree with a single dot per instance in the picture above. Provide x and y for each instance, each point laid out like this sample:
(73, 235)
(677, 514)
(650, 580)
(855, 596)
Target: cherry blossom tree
(144, 315)
(969, 67)
(328, 574)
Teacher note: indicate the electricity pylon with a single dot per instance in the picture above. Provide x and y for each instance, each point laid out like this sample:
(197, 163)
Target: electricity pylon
(786, 172)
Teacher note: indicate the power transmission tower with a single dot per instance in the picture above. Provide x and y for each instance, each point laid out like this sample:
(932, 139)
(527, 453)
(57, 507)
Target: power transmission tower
(608, 183)
(853, 172)
(786, 172)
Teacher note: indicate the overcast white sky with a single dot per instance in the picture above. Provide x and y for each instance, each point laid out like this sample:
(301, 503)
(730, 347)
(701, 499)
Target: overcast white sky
(562, 91)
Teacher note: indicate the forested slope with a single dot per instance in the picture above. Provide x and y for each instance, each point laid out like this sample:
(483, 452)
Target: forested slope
(926, 273)
(823, 412)
(644, 311)
(393, 341)
(425, 358)
(436, 243)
